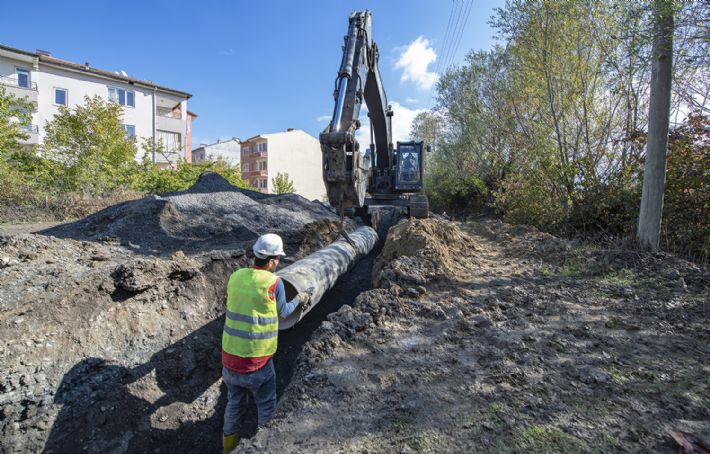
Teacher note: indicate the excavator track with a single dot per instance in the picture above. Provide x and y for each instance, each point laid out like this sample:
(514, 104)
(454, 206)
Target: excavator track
(418, 206)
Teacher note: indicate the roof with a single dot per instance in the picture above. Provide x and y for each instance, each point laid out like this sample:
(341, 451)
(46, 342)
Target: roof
(46, 59)
(19, 51)
(219, 142)
(266, 136)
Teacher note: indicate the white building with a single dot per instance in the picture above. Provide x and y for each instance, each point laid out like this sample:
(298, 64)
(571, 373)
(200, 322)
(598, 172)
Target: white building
(150, 110)
(294, 152)
(227, 150)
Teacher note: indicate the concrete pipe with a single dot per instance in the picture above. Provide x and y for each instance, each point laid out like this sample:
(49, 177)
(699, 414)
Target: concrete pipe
(318, 272)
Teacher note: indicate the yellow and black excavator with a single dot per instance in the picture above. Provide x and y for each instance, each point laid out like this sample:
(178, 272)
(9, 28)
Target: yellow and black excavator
(384, 174)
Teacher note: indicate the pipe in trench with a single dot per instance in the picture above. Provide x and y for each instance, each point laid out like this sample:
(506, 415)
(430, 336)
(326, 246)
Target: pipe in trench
(318, 272)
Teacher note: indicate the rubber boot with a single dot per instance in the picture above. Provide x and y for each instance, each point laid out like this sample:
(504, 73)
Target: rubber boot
(229, 442)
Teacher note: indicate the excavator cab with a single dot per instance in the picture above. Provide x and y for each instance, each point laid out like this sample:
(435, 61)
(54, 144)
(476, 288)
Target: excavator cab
(408, 166)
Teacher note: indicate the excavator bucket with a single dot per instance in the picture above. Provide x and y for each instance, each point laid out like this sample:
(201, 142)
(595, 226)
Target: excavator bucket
(344, 170)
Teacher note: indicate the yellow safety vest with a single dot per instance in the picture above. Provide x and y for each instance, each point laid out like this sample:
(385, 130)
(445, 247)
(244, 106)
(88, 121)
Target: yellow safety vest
(251, 325)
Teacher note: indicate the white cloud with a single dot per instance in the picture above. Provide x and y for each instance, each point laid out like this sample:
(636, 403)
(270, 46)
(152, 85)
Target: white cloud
(323, 118)
(401, 124)
(414, 62)
(411, 100)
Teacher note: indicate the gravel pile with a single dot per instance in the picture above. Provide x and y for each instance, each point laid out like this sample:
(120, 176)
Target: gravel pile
(212, 214)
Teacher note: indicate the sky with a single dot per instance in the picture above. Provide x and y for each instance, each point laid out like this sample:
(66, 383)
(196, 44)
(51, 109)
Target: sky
(257, 67)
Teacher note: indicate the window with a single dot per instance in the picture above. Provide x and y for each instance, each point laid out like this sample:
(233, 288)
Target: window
(23, 78)
(254, 183)
(60, 97)
(262, 184)
(262, 146)
(130, 130)
(245, 150)
(121, 96)
(245, 167)
(262, 165)
(170, 140)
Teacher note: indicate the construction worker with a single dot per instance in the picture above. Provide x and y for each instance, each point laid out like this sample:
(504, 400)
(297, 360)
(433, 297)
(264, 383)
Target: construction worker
(256, 299)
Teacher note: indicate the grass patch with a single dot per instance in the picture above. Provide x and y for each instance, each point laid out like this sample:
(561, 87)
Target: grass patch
(408, 434)
(404, 428)
(576, 267)
(624, 277)
(543, 440)
(494, 408)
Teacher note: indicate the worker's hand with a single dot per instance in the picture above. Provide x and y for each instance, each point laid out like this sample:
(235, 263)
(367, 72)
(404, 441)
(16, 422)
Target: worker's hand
(305, 299)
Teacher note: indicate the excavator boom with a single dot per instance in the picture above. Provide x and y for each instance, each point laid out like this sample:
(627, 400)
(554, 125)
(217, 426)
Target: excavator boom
(381, 174)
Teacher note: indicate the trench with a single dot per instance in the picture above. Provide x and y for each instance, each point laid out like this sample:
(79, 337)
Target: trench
(99, 412)
(292, 341)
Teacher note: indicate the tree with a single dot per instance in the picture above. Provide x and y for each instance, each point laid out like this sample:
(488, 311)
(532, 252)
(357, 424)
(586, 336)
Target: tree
(90, 147)
(282, 184)
(14, 117)
(649, 225)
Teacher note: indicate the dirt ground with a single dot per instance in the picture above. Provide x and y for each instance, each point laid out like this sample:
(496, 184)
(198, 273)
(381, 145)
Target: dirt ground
(450, 337)
(26, 227)
(491, 338)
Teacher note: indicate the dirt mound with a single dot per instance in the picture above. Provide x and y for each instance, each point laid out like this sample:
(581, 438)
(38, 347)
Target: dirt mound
(418, 250)
(212, 214)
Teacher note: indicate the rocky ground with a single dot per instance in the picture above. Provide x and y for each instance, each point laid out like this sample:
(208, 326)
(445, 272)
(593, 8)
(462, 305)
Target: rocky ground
(477, 337)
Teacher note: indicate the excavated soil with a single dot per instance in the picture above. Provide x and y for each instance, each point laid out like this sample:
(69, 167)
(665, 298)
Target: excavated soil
(489, 338)
(477, 337)
(210, 215)
(111, 325)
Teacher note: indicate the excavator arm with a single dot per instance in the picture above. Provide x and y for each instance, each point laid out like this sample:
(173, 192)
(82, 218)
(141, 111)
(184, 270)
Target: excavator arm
(384, 172)
(345, 167)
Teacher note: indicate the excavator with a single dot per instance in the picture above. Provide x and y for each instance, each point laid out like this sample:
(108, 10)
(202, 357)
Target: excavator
(384, 174)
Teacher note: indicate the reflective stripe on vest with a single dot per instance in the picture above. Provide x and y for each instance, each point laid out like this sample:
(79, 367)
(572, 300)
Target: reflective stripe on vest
(251, 324)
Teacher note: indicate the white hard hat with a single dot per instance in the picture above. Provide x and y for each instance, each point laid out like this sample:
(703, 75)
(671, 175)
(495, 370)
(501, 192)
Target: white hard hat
(268, 245)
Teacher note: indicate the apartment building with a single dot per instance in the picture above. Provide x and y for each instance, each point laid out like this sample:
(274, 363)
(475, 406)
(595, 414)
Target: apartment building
(149, 110)
(227, 150)
(294, 152)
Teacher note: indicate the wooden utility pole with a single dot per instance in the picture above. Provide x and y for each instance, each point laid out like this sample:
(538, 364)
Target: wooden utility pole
(649, 225)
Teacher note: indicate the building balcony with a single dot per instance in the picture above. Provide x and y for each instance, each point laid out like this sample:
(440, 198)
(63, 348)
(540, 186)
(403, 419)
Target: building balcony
(169, 123)
(165, 157)
(32, 132)
(256, 173)
(254, 154)
(15, 88)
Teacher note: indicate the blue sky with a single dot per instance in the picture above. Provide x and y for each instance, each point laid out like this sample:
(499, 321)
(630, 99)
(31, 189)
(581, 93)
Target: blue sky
(255, 66)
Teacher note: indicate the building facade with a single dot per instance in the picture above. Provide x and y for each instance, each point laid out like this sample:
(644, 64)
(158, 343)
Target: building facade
(293, 152)
(227, 150)
(149, 110)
